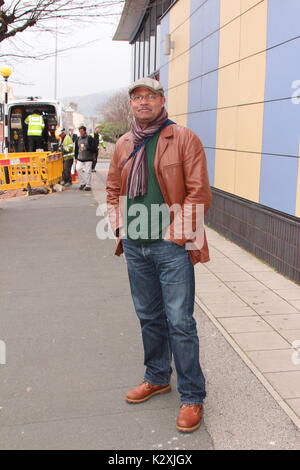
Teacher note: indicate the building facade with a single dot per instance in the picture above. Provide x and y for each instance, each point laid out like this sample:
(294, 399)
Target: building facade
(231, 75)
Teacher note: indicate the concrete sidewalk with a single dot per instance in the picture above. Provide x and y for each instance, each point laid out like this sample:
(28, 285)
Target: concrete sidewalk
(74, 345)
(258, 312)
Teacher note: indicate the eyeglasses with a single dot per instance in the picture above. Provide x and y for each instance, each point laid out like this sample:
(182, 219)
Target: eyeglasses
(139, 98)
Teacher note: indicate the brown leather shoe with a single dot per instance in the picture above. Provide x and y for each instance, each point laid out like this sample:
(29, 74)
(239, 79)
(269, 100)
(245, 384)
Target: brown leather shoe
(189, 418)
(144, 391)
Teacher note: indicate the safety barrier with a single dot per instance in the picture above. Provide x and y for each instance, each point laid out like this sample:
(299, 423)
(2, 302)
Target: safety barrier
(30, 170)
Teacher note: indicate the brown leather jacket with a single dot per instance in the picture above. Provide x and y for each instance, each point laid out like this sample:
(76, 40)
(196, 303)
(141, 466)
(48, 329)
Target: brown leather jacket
(181, 171)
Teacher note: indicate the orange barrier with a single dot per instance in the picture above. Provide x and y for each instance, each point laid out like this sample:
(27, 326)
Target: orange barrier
(30, 170)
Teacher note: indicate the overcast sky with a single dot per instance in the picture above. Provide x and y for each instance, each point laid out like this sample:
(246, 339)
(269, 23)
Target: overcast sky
(100, 66)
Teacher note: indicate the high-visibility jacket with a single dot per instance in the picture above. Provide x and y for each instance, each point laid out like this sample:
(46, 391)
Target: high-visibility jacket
(99, 140)
(68, 147)
(35, 124)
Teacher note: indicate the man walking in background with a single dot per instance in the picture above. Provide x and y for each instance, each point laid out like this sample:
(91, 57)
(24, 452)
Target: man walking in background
(100, 144)
(85, 149)
(158, 163)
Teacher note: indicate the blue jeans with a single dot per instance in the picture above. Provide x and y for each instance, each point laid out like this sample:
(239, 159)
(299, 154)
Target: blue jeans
(162, 283)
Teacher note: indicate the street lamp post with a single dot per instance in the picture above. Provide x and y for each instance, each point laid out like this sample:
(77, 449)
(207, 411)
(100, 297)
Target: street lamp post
(56, 58)
(6, 73)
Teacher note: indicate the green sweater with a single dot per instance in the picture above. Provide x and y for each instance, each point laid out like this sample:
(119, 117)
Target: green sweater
(143, 223)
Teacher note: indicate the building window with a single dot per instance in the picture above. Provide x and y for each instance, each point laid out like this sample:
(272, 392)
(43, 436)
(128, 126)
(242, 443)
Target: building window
(132, 61)
(137, 59)
(152, 52)
(147, 47)
(147, 40)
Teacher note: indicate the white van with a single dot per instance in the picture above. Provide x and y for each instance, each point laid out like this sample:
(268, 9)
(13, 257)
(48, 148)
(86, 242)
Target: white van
(18, 111)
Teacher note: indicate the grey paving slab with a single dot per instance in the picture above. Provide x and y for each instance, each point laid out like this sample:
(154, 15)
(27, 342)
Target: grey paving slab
(245, 324)
(287, 383)
(291, 335)
(260, 340)
(274, 361)
(284, 322)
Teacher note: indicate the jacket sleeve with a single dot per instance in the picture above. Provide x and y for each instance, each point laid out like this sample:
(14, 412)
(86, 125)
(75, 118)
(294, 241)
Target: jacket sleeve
(76, 148)
(113, 190)
(198, 193)
(92, 145)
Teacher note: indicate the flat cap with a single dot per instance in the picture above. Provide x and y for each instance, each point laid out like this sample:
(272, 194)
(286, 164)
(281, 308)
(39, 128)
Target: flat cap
(147, 82)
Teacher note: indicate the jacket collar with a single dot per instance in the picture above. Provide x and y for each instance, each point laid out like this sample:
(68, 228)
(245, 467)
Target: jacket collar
(165, 133)
(163, 143)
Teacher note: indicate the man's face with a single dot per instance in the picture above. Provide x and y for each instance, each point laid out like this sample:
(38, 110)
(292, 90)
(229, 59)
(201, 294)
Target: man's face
(82, 132)
(148, 108)
(62, 135)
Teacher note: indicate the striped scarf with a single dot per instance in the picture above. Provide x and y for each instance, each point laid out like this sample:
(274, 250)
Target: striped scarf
(138, 176)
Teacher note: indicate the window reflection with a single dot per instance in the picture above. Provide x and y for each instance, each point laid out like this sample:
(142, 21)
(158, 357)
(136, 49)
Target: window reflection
(147, 41)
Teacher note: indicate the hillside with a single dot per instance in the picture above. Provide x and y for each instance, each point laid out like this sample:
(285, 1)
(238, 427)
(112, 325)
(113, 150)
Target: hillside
(87, 104)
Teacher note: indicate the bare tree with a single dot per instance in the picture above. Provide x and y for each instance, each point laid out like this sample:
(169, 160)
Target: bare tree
(115, 115)
(117, 110)
(17, 16)
(41, 16)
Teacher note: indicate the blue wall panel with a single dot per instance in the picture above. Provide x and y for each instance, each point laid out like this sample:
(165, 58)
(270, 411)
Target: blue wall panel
(196, 55)
(209, 91)
(283, 20)
(278, 180)
(210, 53)
(204, 125)
(195, 4)
(198, 18)
(279, 183)
(164, 67)
(211, 18)
(195, 95)
(203, 85)
(282, 69)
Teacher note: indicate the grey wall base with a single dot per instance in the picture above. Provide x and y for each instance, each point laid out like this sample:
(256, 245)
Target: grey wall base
(270, 235)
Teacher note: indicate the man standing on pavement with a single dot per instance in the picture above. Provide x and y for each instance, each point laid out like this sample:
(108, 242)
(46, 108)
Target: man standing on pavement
(68, 155)
(36, 124)
(85, 149)
(158, 163)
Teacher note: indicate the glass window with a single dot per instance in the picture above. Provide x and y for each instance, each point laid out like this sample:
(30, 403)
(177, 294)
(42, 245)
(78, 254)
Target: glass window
(152, 40)
(133, 62)
(157, 47)
(147, 47)
(137, 60)
(141, 70)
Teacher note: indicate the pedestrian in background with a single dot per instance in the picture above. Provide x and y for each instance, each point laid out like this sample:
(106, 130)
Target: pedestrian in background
(72, 135)
(85, 149)
(67, 147)
(100, 144)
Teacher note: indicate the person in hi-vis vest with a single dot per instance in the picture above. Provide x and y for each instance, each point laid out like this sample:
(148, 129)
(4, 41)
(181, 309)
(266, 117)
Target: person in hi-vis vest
(36, 124)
